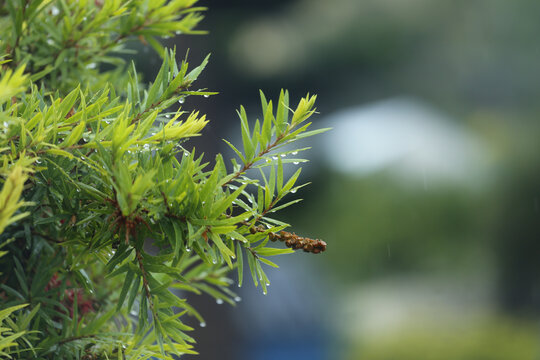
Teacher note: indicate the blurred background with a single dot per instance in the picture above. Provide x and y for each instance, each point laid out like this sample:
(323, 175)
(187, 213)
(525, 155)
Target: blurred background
(427, 190)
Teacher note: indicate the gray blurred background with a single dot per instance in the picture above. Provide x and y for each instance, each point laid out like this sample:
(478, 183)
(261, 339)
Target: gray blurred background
(427, 190)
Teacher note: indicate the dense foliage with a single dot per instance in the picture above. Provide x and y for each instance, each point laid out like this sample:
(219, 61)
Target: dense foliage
(106, 215)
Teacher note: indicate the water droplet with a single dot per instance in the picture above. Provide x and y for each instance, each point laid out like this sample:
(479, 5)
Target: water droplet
(239, 285)
(178, 32)
(296, 162)
(219, 301)
(293, 191)
(283, 155)
(214, 261)
(267, 284)
(82, 157)
(5, 124)
(166, 37)
(246, 219)
(50, 41)
(274, 157)
(188, 250)
(238, 299)
(203, 324)
(107, 121)
(146, 146)
(38, 161)
(206, 95)
(167, 116)
(186, 153)
(181, 100)
(78, 190)
(250, 200)
(54, 11)
(268, 160)
(294, 152)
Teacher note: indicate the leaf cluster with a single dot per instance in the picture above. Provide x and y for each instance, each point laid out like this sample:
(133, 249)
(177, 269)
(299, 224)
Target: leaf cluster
(106, 217)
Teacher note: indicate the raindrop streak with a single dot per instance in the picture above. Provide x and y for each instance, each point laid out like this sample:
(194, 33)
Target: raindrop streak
(203, 324)
(219, 301)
